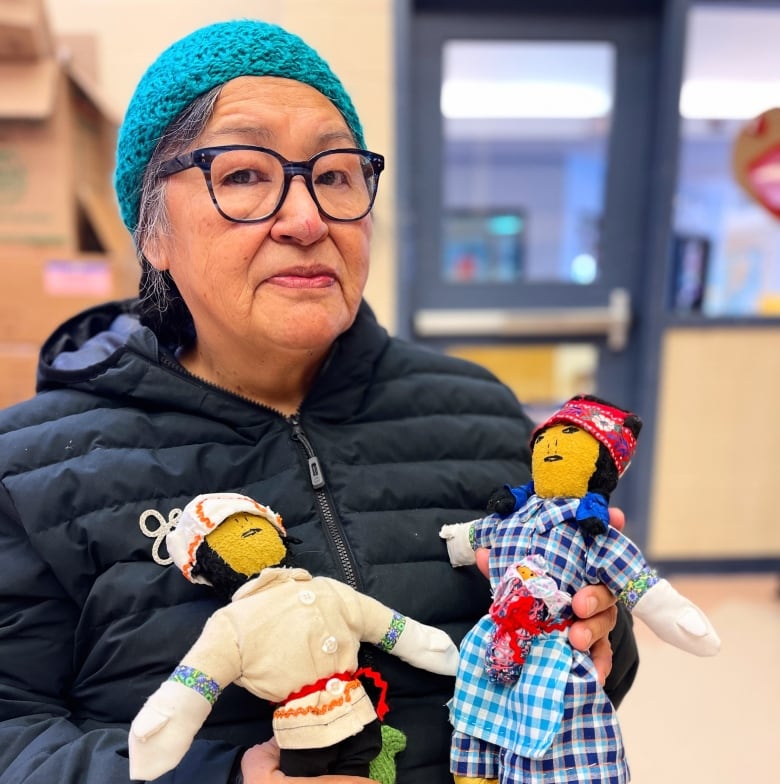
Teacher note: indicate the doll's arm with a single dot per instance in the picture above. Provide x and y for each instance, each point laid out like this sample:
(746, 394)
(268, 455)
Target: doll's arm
(460, 542)
(163, 730)
(593, 514)
(425, 646)
(415, 643)
(676, 620)
(507, 499)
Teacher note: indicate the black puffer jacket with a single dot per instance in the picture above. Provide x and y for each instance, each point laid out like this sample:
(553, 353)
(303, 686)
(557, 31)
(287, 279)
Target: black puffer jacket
(392, 442)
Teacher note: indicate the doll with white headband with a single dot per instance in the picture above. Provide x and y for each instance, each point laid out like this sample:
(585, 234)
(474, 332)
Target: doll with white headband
(286, 637)
(528, 708)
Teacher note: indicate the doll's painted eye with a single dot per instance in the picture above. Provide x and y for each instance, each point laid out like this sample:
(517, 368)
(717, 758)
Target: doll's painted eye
(539, 438)
(570, 429)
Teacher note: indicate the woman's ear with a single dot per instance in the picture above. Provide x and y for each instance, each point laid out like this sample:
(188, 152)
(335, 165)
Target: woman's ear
(154, 252)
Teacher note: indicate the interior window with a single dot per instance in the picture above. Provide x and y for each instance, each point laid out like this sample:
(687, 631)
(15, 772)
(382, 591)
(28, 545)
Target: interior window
(526, 127)
(726, 233)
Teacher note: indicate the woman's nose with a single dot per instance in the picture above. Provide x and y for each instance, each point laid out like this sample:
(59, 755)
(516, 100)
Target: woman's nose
(299, 217)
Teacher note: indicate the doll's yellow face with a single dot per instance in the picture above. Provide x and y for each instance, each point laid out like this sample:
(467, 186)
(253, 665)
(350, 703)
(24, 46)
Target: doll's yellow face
(525, 572)
(247, 542)
(563, 461)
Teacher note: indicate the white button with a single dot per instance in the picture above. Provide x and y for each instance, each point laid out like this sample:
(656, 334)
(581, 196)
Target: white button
(335, 686)
(306, 597)
(330, 645)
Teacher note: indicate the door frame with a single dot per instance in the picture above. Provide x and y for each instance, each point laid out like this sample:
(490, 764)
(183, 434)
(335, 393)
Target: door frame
(630, 377)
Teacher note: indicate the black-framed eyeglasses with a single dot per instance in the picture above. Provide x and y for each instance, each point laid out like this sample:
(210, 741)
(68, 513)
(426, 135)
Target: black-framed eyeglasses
(248, 184)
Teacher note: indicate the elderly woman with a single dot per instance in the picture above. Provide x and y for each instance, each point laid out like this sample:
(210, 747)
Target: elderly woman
(249, 364)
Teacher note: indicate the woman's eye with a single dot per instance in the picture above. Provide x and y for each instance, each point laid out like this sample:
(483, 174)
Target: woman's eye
(243, 177)
(332, 178)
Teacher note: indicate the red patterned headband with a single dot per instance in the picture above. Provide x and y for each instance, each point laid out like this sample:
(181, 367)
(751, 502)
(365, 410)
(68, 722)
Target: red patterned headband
(603, 422)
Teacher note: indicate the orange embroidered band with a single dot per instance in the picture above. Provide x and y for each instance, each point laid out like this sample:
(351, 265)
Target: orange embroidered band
(321, 685)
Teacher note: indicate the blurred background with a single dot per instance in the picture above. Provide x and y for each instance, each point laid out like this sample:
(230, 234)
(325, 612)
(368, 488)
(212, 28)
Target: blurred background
(583, 197)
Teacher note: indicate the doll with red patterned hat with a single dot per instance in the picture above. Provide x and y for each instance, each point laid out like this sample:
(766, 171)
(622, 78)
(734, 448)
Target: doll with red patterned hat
(528, 708)
(286, 637)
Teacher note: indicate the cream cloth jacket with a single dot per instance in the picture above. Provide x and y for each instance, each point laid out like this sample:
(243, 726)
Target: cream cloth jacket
(284, 630)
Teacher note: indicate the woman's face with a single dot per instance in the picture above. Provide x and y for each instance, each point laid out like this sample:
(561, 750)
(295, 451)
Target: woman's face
(292, 282)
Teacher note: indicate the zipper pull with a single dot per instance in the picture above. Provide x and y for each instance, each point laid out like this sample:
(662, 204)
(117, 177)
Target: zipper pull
(315, 471)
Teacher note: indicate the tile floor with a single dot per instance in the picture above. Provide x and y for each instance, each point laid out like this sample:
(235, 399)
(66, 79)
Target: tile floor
(689, 720)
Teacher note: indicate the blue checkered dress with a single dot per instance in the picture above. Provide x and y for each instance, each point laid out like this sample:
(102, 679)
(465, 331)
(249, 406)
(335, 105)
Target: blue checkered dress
(555, 725)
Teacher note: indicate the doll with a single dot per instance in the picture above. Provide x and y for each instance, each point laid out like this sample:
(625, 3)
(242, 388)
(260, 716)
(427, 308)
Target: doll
(528, 707)
(286, 637)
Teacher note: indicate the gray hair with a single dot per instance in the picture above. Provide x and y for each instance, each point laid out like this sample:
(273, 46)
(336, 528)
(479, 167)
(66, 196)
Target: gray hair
(161, 305)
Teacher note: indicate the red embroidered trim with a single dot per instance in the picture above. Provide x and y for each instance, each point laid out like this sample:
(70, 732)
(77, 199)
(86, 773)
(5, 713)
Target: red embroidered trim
(312, 688)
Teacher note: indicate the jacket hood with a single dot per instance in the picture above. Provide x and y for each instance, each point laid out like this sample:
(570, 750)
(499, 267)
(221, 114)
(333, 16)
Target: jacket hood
(87, 341)
(106, 349)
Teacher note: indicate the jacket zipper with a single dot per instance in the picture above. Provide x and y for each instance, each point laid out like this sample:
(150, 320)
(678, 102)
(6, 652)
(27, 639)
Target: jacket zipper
(336, 536)
(333, 527)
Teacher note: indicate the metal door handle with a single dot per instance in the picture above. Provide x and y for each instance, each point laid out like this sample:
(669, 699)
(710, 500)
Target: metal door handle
(614, 321)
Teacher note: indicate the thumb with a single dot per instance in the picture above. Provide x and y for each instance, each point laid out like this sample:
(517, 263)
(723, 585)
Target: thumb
(261, 759)
(483, 556)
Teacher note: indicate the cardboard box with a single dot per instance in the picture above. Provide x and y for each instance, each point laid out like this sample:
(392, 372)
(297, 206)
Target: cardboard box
(57, 148)
(18, 366)
(42, 288)
(57, 140)
(24, 30)
(39, 289)
(63, 247)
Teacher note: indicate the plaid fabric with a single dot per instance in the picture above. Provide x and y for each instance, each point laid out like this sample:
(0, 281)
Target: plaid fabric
(556, 724)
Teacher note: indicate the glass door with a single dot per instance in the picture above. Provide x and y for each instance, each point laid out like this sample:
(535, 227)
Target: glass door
(531, 143)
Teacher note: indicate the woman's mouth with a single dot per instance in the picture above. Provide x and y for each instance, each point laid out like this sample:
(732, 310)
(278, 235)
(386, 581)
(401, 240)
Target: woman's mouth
(302, 281)
(303, 278)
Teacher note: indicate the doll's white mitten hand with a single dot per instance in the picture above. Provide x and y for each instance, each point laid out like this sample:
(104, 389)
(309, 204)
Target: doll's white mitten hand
(164, 728)
(459, 549)
(427, 647)
(677, 620)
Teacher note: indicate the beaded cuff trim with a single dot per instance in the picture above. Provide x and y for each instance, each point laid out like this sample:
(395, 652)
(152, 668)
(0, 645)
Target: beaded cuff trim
(637, 587)
(397, 625)
(473, 536)
(197, 680)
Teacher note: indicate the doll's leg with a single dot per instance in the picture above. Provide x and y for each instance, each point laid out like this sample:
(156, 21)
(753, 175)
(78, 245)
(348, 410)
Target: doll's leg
(354, 754)
(350, 757)
(305, 762)
(473, 761)
(466, 780)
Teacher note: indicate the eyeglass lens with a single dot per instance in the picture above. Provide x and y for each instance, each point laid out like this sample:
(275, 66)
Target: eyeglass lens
(248, 184)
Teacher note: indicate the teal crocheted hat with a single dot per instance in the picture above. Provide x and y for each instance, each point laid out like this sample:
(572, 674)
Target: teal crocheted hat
(194, 65)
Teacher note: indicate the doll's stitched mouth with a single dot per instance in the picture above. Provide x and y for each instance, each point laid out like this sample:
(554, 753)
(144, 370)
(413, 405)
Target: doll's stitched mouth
(250, 532)
(552, 458)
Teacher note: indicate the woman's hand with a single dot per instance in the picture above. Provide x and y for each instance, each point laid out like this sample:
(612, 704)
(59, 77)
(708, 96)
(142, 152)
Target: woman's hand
(594, 606)
(260, 765)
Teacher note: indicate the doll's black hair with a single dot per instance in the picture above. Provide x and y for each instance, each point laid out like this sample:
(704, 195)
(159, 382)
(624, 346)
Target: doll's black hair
(210, 565)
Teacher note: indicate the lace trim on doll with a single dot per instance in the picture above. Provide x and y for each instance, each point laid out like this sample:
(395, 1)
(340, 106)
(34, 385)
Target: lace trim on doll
(197, 680)
(397, 625)
(637, 587)
(164, 527)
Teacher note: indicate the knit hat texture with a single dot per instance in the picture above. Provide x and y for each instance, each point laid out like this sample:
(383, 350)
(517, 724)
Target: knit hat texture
(204, 59)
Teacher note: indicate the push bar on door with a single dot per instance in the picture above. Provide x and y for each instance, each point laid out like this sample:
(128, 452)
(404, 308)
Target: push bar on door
(614, 321)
